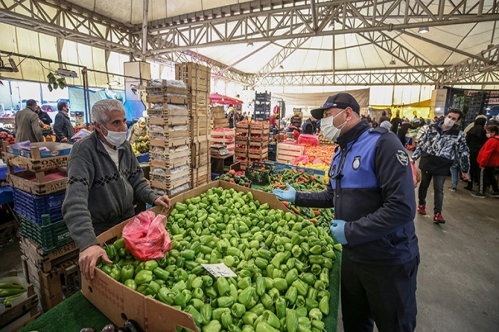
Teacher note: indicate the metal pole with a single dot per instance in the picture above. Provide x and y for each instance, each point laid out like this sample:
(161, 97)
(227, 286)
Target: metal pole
(85, 88)
(144, 28)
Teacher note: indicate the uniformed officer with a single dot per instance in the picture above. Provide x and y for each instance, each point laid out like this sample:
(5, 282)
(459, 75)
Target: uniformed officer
(371, 189)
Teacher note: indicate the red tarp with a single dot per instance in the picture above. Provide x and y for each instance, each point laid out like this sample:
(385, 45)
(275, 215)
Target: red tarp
(216, 98)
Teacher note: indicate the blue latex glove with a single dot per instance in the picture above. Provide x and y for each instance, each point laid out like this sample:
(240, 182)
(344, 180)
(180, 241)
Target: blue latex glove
(338, 230)
(286, 195)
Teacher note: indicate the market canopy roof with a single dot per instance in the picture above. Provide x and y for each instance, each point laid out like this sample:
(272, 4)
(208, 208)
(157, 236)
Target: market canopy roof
(216, 98)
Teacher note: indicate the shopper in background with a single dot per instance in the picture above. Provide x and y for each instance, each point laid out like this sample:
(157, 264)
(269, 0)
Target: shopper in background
(386, 124)
(370, 178)
(63, 128)
(309, 126)
(384, 117)
(43, 116)
(472, 124)
(488, 159)
(438, 147)
(138, 130)
(475, 139)
(27, 124)
(296, 121)
(402, 131)
(104, 177)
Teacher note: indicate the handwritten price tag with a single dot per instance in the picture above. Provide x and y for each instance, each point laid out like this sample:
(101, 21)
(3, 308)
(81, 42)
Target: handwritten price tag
(219, 270)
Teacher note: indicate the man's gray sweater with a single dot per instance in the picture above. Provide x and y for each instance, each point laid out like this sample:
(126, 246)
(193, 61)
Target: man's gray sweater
(98, 196)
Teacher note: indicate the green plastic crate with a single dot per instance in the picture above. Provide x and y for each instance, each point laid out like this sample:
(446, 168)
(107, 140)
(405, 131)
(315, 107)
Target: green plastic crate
(49, 235)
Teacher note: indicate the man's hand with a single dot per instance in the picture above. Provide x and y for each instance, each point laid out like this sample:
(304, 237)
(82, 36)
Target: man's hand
(338, 230)
(466, 176)
(88, 260)
(164, 201)
(64, 140)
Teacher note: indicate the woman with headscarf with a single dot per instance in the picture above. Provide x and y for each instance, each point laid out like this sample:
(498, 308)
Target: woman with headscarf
(138, 130)
(475, 139)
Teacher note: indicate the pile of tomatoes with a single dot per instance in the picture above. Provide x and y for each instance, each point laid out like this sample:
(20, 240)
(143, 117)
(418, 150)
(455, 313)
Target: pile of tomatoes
(6, 137)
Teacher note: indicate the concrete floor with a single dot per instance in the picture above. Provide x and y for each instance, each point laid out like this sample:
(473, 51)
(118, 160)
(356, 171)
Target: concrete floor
(458, 279)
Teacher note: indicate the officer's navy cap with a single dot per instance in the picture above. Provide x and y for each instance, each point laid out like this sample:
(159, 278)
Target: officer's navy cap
(340, 100)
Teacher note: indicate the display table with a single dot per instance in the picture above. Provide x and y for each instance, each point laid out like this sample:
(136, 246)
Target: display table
(77, 312)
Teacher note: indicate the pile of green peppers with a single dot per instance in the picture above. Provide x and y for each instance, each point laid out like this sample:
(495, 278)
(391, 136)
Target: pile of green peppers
(282, 262)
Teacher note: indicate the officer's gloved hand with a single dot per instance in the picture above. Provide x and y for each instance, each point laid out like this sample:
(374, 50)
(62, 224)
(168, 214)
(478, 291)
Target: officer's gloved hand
(286, 195)
(338, 230)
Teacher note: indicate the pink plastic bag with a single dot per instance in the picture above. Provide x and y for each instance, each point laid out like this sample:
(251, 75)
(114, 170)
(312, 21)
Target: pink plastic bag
(297, 160)
(416, 176)
(146, 237)
(308, 140)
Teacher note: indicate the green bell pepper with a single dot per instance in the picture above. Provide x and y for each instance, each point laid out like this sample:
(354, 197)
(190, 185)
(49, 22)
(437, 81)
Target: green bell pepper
(127, 272)
(111, 251)
(291, 320)
(115, 273)
(324, 305)
(270, 318)
(144, 276)
(238, 310)
(152, 288)
(150, 265)
(280, 307)
(161, 274)
(130, 283)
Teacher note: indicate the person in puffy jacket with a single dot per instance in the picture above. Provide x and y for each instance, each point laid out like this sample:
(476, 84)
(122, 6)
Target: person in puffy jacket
(488, 159)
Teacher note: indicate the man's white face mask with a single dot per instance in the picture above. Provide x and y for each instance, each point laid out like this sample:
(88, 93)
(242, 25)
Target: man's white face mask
(329, 130)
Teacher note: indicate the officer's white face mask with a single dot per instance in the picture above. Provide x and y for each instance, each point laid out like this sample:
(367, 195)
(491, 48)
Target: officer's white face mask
(328, 128)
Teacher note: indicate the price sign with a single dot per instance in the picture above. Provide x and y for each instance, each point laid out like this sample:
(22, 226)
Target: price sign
(219, 270)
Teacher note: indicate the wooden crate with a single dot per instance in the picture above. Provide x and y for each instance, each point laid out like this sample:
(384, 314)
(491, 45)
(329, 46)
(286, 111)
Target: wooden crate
(167, 121)
(217, 112)
(47, 261)
(258, 154)
(23, 181)
(261, 144)
(220, 123)
(34, 164)
(200, 153)
(225, 137)
(54, 286)
(164, 161)
(165, 88)
(286, 151)
(197, 77)
(171, 178)
(168, 142)
(200, 126)
(171, 184)
(178, 100)
(259, 126)
(201, 175)
(24, 308)
(166, 112)
(199, 101)
(164, 138)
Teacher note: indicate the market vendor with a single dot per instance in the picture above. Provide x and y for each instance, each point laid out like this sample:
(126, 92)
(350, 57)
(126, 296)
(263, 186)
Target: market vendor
(138, 131)
(104, 177)
(372, 191)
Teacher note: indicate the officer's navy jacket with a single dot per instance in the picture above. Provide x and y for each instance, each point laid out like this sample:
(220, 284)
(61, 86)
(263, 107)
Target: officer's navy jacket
(373, 191)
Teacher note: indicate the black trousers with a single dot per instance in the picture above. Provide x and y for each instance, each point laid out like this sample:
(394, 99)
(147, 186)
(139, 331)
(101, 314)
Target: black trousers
(487, 179)
(382, 294)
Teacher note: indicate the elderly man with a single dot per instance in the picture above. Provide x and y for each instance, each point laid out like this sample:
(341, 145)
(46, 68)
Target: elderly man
(27, 124)
(104, 177)
(371, 190)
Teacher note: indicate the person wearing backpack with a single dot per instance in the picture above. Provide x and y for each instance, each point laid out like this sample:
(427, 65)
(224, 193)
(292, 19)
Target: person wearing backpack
(488, 159)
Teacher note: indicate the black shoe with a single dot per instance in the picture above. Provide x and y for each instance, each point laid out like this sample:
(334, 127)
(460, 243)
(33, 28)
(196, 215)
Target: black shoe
(468, 187)
(478, 195)
(495, 194)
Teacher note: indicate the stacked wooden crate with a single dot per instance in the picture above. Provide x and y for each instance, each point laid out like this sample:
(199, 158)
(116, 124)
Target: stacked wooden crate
(242, 144)
(287, 151)
(46, 244)
(258, 141)
(197, 78)
(169, 125)
(218, 117)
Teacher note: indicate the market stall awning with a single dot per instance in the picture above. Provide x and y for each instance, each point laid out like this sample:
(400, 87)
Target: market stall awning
(216, 98)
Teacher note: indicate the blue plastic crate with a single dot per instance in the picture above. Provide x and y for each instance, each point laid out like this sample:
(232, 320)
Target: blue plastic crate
(32, 206)
(143, 158)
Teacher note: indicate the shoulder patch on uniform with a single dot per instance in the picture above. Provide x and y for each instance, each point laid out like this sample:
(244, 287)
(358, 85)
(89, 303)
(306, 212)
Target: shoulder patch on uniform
(356, 163)
(402, 157)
